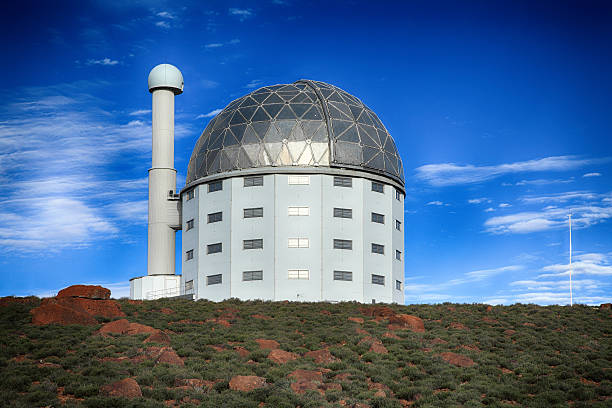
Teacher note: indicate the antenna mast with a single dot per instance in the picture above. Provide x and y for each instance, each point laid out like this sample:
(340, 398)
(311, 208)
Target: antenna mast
(570, 260)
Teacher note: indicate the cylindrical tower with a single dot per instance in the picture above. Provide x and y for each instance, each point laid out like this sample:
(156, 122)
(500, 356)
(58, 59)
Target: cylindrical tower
(165, 81)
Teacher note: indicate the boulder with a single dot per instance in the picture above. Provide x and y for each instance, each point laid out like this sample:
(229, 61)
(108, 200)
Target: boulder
(158, 337)
(85, 291)
(457, 359)
(193, 383)
(9, 300)
(355, 319)
(246, 383)
(105, 308)
(321, 356)
(268, 344)
(242, 352)
(458, 326)
(126, 388)
(168, 355)
(306, 375)
(51, 313)
(378, 348)
(406, 322)
(120, 326)
(282, 356)
(137, 328)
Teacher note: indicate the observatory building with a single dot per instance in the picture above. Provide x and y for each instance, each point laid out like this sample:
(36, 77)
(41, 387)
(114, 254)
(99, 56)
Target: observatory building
(293, 192)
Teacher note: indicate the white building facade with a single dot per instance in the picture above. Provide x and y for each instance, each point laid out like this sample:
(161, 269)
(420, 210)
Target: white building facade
(294, 192)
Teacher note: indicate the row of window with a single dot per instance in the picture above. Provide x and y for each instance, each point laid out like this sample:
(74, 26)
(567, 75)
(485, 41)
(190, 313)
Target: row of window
(257, 212)
(346, 244)
(301, 274)
(254, 181)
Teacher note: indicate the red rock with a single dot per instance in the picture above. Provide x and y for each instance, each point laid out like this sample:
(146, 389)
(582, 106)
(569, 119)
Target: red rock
(158, 337)
(166, 311)
(193, 383)
(85, 291)
(331, 387)
(321, 356)
(458, 326)
(246, 383)
(380, 393)
(169, 356)
(379, 387)
(457, 359)
(260, 316)
(306, 375)
(300, 387)
(509, 332)
(342, 376)
(378, 311)
(217, 348)
(605, 306)
(127, 388)
(359, 330)
(105, 308)
(391, 335)
(242, 352)
(137, 328)
(9, 300)
(120, 326)
(57, 314)
(470, 347)
(267, 344)
(282, 356)
(405, 321)
(326, 312)
(356, 319)
(219, 321)
(378, 348)
(529, 324)
(438, 341)
(489, 308)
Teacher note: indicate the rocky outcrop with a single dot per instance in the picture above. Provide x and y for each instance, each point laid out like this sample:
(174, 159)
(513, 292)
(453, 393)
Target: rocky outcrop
(406, 322)
(268, 344)
(282, 356)
(246, 383)
(58, 314)
(457, 359)
(321, 356)
(126, 388)
(85, 291)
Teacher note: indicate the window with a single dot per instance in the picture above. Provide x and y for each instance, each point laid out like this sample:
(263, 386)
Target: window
(378, 280)
(301, 211)
(189, 225)
(253, 212)
(398, 285)
(215, 217)
(299, 243)
(189, 285)
(378, 187)
(252, 244)
(189, 255)
(189, 195)
(253, 181)
(301, 180)
(398, 255)
(343, 181)
(215, 186)
(378, 218)
(343, 275)
(343, 213)
(214, 279)
(343, 244)
(252, 275)
(398, 225)
(213, 248)
(398, 195)
(378, 249)
(298, 274)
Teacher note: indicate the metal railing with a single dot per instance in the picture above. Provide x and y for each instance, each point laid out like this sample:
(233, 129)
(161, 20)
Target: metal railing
(169, 292)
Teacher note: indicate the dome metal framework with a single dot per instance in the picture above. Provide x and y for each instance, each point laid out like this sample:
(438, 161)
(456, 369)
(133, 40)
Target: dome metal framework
(307, 123)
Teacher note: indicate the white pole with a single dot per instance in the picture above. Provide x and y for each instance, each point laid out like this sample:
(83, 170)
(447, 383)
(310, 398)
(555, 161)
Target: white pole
(570, 260)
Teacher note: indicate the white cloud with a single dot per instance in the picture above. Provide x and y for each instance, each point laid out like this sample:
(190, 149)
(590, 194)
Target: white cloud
(213, 45)
(210, 114)
(595, 264)
(592, 175)
(140, 112)
(242, 14)
(544, 182)
(561, 197)
(103, 61)
(447, 174)
(165, 14)
(163, 24)
(490, 209)
(505, 205)
(234, 41)
(486, 273)
(254, 83)
(435, 203)
(479, 200)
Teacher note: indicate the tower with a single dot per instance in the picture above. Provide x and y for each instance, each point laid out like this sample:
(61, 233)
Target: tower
(165, 81)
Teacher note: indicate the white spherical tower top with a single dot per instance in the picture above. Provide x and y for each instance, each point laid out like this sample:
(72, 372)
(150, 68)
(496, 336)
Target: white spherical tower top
(166, 76)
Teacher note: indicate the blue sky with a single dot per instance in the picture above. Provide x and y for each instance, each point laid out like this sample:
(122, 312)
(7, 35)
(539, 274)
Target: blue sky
(501, 112)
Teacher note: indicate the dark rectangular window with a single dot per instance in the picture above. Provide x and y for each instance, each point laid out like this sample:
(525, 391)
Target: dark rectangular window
(189, 195)
(378, 218)
(189, 285)
(398, 255)
(378, 187)
(378, 280)
(252, 244)
(378, 249)
(343, 275)
(398, 225)
(215, 186)
(214, 279)
(189, 225)
(189, 255)
(215, 217)
(253, 212)
(343, 181)
(214, 248)
(253, 181)
(398, 285)
(252, 275)
(343, 213)
(343, 244)
(398, 195)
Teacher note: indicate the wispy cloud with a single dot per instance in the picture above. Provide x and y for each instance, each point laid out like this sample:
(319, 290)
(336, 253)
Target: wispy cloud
(166, 14)
(140, 112)
(103, 61)
(447, 174)
(242, 14)
(592, 175)
(213, 45)
(254, 83)
(210, 114)
(585, 264)
(437, 203)
(479, 200)
(504, 205)
(162, 24)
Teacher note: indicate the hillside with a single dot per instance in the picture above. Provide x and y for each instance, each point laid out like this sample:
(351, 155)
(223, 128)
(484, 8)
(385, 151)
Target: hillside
(185, 353)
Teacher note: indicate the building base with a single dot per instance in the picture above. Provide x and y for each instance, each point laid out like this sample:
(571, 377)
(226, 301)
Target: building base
(152, 287)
